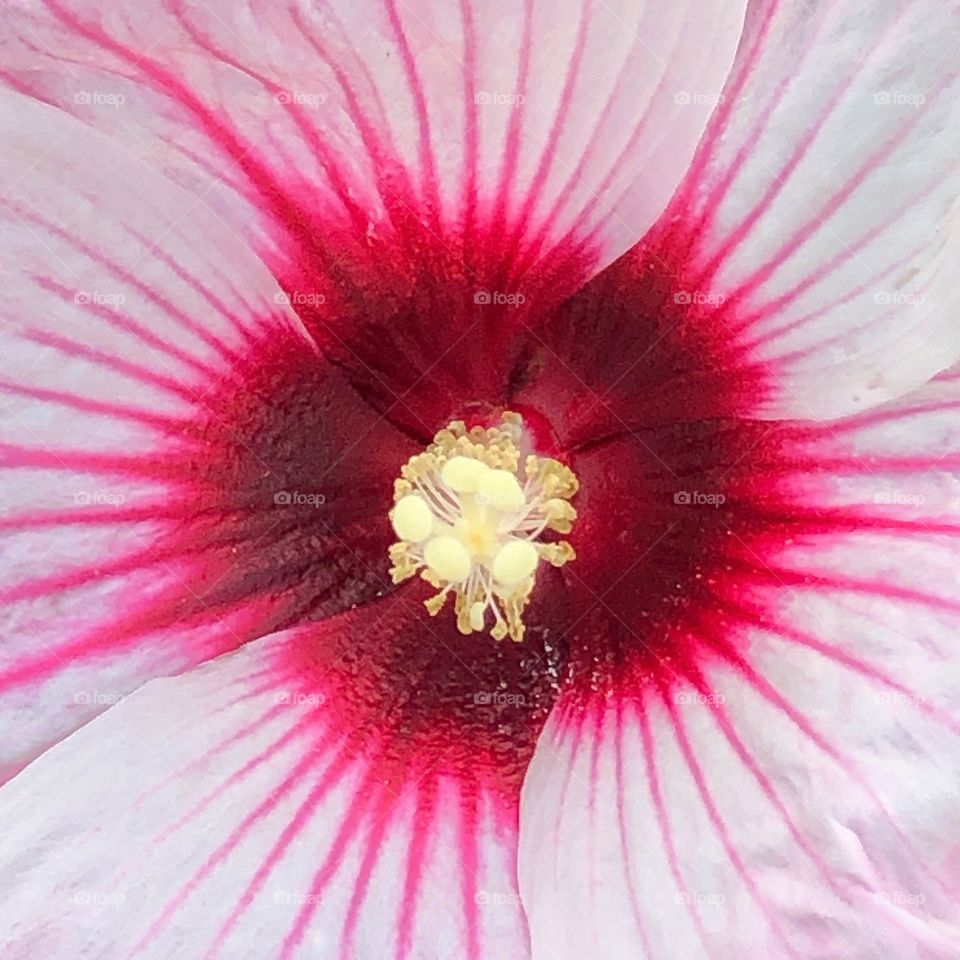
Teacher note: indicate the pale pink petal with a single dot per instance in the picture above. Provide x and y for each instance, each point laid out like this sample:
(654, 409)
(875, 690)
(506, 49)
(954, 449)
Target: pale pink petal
(819, 218)
(522, 131)
(247, 809)
(781, 777)
(140, 385)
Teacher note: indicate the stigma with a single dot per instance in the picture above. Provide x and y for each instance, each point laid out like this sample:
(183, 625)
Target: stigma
(470, 512)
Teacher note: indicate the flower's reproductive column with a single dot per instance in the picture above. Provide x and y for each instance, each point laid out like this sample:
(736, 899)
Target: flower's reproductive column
(470, 524)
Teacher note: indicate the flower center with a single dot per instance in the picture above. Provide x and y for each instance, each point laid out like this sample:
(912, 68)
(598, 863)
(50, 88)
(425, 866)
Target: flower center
(470, 522)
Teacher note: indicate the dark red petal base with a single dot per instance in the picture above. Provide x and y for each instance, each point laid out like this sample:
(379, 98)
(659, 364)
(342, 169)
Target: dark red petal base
(640, 392)
(282, 489)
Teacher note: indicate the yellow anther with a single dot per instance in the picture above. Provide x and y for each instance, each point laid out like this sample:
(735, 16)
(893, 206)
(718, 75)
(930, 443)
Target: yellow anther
(515, 562)
(463, 473)
(501, 490)
(470, 526)
(477, 612)
(557, 554)
(412, 518)
(447, 557)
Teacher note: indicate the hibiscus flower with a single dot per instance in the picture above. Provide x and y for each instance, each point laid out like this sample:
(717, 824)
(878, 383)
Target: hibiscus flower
(480, 480)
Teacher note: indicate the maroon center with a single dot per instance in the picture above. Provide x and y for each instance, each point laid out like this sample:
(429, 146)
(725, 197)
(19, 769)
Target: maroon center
(628, 381)
(280, 495)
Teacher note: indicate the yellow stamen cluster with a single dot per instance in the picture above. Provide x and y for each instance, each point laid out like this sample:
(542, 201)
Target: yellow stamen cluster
(470, 525)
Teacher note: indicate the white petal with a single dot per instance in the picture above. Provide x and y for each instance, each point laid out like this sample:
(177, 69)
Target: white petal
(789, 783)
(232, 813)
(138, 485)
(823, 201)
(539, 125)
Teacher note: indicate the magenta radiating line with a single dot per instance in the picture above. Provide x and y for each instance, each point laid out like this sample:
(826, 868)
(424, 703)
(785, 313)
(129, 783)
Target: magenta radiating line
(877, 416)
(821, 348)
(663, 822)
(830, 265)
(197, 328)
(597, 722)
(13, 456)
(783, 576)
(328, 778)
(121, 321)
(855, 519)
(767, 311)
(83, 575)
(471, 129)
(348, 827)
(836, 201)
(21, 86)
(382, 819)
(252, 692)
(227, 354)
(600, 192)
(223, 850)
(626, 851)
(856, 665)
(385, 170)
(719, 825)
(778, 183)
(319, 146)
(729, 731)
(537, 241)
(420, 831)
(166, 510)
(218, 175)
(567, 777)
(126, 367)
(126, 276)
(103, 638)
(226, 139)
(137, 859)
(150, 556)
(545, 163)
(468, 843)
(511, 150)
(856, 466)
(593, 776)
(743, 70)
(82, 518)
(218, 749)
(289, 736)
(81, 404)
(428, 169)
(802, 723)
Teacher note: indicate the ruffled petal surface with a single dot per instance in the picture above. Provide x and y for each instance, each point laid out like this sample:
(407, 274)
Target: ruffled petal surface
(424, 180)
(181, 472)
(818, 221)
(779, 776)
(547, 124)
(276, 801)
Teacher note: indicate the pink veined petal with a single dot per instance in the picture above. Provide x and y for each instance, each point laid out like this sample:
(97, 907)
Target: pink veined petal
(793, 793)
(819, 216)
(235, 811)
(137, 510)
(526, 130)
